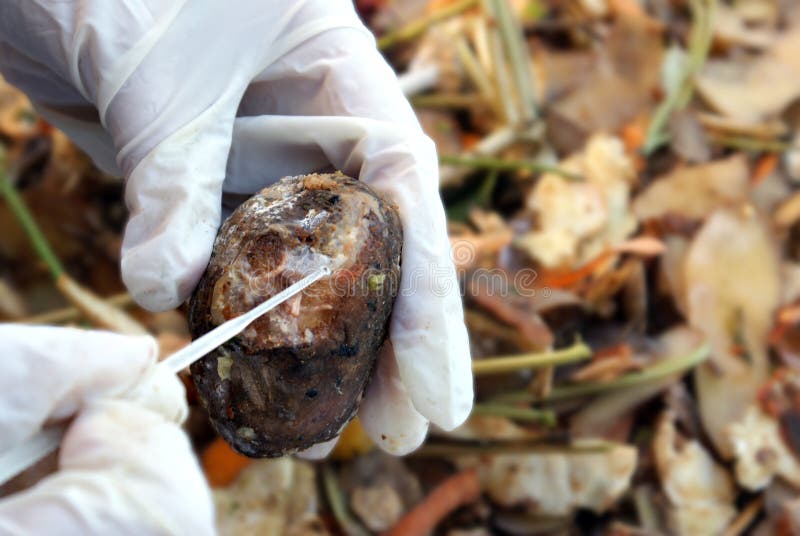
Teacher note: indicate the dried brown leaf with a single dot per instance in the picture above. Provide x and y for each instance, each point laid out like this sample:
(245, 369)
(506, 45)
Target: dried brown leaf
(788, 212)
(732, 287)
(12, 304)
(694, 191)
(758, 90)
(733, 26)
(687, 137)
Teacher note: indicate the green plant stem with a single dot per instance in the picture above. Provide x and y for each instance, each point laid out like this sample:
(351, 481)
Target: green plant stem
(495, 365)
(662, 369)
(417, 27)
(338, 505)
(545, 417)
(499, 67)
(645, 509)
(699, 46)
(453, 449)
(514, 41)
(27, 222)
(483, 197)
(69, 314)
(477, 74)
(446, 100)
(500, 164)
(751, 144)
(667, 367)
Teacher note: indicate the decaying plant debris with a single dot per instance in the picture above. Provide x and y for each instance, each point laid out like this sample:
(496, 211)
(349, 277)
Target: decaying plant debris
(624, 176)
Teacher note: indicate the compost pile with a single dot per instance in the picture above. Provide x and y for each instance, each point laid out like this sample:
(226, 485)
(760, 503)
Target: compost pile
(622, 183)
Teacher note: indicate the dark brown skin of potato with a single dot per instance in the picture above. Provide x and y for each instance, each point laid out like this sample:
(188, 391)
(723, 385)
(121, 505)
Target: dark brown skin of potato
(295, 377)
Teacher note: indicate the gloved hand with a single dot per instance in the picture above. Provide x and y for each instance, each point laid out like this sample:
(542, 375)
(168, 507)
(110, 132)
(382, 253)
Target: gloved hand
(190, 99)
(125, 466)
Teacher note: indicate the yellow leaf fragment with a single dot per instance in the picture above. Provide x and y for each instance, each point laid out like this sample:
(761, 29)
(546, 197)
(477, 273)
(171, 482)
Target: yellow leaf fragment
(760, 451)
(732, 286)
(270, 497)
(700, 491)
(557, 483)
(577, 220)
(694, 191)
(757, 90)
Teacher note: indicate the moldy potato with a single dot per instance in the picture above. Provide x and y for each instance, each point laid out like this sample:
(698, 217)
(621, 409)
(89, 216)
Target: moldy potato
(296, 375)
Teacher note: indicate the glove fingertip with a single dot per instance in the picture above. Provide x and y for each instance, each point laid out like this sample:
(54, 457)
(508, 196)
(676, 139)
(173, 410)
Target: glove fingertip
(142, 348)
(387, 414)
(158, 283)
(456, 415)
(318, 451)
(393, 441)
(161, 392)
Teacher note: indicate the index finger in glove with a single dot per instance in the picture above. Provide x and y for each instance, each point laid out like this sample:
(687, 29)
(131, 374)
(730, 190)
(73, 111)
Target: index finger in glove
(50, 373)
(171, 118)
(345, 105)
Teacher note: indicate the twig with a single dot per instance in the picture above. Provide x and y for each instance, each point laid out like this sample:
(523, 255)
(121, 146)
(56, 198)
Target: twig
(454, 449)
(680, 95)
(483, 197)
(500, 164)
(662, 369)
(767, 129)
(577, 352)
(455, 491)
(500, 70)
(490, 145)
(416, 28)
(545, 417)
(95, 309)
(699, 44)
(477, 74)
(28, 223)
(69, 314)
(514, 40)
(750, 144)
(745, 517)
(446, 100)
(645, 510)
(336, 501)
(479, 37)
(542, 382)
(496, 141)
(418, 79)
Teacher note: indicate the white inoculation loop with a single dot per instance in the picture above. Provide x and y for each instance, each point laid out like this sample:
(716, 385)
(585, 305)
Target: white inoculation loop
(211, 340)
(25, 454)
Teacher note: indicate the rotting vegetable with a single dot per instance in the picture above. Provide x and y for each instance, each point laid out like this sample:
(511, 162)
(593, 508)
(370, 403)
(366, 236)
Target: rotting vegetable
(295, 377)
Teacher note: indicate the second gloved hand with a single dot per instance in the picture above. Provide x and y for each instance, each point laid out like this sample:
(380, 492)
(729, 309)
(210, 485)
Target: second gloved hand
(177, 96)
(125, 466)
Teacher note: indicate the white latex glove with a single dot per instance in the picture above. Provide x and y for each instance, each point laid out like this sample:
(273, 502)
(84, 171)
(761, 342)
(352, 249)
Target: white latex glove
(174, 93)
(125, 466)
